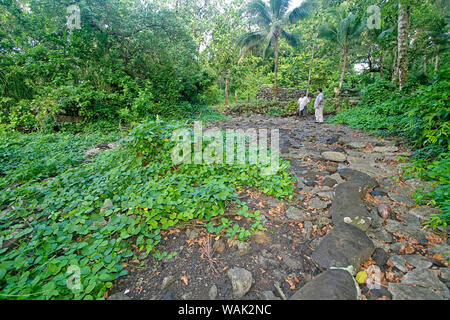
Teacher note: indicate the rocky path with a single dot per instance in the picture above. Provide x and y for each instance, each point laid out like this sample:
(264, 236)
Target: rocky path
(365, 225)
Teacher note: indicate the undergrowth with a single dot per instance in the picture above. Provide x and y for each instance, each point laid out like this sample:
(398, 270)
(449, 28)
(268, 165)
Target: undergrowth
(88, 220)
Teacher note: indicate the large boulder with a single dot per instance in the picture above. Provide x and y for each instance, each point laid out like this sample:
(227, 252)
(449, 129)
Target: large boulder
(364, 181)
(335, 284)
(344, 246)
(348, 206)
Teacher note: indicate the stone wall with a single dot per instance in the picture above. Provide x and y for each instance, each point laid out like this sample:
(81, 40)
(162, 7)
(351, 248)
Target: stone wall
(284, 94)
(265, 92)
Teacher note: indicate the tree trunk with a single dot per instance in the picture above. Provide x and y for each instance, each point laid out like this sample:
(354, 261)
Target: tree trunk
(369, 59)
(275, 87)
(403, 42)
(344, 66)
(381, 65)
(394, 68)
(310, 69)
(436, 66)
(227, 85)
(424, 65)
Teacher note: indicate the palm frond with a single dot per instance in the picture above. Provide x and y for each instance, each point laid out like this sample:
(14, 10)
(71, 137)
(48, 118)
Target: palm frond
(345, 29)
(355, 29)
(274, 6)
(268, 49)
(283, 9)
(329, 33)
(303, 11)
(386, 33)
(292, 38)
(250, 41)
(260, 11)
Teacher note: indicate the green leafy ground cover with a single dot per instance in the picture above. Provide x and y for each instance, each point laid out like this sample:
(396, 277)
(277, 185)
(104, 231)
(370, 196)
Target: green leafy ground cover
(97, 215)
(34, 157)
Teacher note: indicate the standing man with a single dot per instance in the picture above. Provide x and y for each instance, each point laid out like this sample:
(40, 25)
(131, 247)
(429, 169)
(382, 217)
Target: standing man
(303, 104)
(319, 105)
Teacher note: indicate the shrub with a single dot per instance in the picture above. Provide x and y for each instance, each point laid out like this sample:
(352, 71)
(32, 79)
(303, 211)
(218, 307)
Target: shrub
(96, 216)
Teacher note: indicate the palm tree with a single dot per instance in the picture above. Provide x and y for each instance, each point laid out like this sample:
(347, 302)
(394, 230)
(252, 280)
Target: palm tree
(381, 40)
(344, 32)
(272, 20)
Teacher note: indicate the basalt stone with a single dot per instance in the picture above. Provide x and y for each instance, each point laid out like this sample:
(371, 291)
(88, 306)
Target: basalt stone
(398, 262)
(322, 222)
(119, 296)
(337, 177)
(404, 292)
(273, 202)
(411, 220)
(380, 234)
(379, 193)
(335, 284)
(357, 145)
(212, 294)
(408, 230)
(333, 139)
(445, 274)
(427, 279)
(423, 212)
(310, 179)
(441, 248)
(380, 257)
(318, 204)
(348, 206)
(334, 156)
(399, 198)
(382, 292)
(344, 246)
(331, 168)
(295, 213)
(365, 181)
(241, 248)
(387, 149)
(418, 261)
(292, 263)
(327, 195)
(241, 281)
(329, 182)
(268, 295)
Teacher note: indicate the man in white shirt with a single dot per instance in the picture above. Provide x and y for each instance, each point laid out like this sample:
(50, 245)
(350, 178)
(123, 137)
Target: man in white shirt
(303, 103)
(319, 105)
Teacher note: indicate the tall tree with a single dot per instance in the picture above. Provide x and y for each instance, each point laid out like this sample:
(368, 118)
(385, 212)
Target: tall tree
(344, 32)
(403, 42)
(272, 20)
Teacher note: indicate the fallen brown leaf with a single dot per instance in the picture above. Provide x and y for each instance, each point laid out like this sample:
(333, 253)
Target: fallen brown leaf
(185, 280)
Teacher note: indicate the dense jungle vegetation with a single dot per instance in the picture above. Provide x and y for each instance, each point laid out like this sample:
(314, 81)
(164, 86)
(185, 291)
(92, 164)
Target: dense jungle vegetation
(136, 70)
